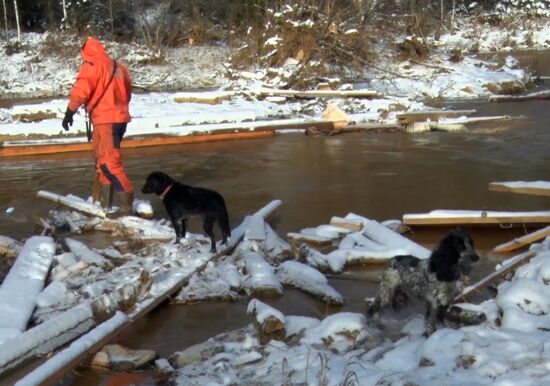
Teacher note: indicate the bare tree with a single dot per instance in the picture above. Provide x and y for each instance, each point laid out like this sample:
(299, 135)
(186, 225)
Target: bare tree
(64, 5)
(5, 19)
(16, 10)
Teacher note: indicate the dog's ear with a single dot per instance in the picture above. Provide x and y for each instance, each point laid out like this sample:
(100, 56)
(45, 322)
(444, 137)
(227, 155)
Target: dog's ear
(444, 269)
(444, 259)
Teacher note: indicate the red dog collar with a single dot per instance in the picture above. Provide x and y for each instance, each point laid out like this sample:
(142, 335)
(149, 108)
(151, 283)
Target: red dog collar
(166, 191)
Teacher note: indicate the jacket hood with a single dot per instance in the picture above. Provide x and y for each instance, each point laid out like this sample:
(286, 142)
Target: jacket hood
(93, 50)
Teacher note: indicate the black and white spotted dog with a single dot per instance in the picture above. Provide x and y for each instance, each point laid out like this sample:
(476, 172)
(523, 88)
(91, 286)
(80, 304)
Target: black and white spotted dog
(432, 280)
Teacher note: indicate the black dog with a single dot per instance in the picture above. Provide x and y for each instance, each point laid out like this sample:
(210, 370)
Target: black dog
(432, 280)
(182, 201)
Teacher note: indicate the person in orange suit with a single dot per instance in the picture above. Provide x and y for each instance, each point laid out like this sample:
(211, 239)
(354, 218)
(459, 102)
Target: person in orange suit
(103, 87)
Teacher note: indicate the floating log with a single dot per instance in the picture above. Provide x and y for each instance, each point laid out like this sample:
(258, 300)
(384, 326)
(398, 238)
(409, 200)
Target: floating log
(421, 127)
(545, 94)
(319, 93)
(476, 217)
(512, 265)
(429, 115)
(57, 366)
(538, 188)
(370, 127)
(522, 241)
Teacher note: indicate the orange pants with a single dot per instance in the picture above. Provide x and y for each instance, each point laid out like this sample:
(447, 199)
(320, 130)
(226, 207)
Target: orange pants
(106, 139)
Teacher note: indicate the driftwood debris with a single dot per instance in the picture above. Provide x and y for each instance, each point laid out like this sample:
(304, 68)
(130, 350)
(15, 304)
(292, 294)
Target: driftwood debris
(545, 94)
(523, 241)
(537, 188)
(512, 265)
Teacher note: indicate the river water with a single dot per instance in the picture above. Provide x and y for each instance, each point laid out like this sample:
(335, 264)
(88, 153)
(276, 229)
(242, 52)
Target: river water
(380, 176)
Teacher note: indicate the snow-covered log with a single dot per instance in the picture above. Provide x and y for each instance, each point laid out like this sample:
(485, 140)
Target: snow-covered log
(46, 336)
(88, 344)
(269, 322)
(308, 238)
(85, 254)
(385, 236)
(55, 367)
(309, 280)
(511, 265)
(73, 202)
(260, 278)
(23, 284)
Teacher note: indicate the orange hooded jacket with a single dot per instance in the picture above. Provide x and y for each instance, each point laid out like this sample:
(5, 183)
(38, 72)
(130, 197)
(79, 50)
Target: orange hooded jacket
(92, 79)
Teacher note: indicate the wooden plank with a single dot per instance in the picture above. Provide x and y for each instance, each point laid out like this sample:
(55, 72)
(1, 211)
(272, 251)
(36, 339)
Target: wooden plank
(545, 94)
(351, 224)
(450, 217)
(431, 115)
(12, 151)
(512, 265)
(310, 239)
(537, 188)
(522, 241)
(319, 93)
(63, 363)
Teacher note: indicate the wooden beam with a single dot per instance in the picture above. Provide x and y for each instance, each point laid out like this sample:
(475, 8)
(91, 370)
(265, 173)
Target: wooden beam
(319, 93)
(512, 265)
(537, 188)
(545, 94)
(470, 217)
(130, 142)
(522, 241)
(351, 224)
(430, 115)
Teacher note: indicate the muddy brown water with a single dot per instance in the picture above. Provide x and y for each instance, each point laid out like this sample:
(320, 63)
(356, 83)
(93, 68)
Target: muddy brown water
(380, 176)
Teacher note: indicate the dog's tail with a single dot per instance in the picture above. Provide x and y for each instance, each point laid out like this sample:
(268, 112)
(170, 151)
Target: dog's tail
(223, 221)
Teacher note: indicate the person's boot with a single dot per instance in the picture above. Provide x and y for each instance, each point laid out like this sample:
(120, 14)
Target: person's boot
(106, 196)
(125, 201)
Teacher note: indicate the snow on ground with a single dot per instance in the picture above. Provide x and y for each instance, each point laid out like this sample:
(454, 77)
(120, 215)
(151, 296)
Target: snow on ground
(34, 73)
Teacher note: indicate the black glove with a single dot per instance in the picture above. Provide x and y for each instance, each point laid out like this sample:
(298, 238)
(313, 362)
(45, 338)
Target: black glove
(68, 119)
